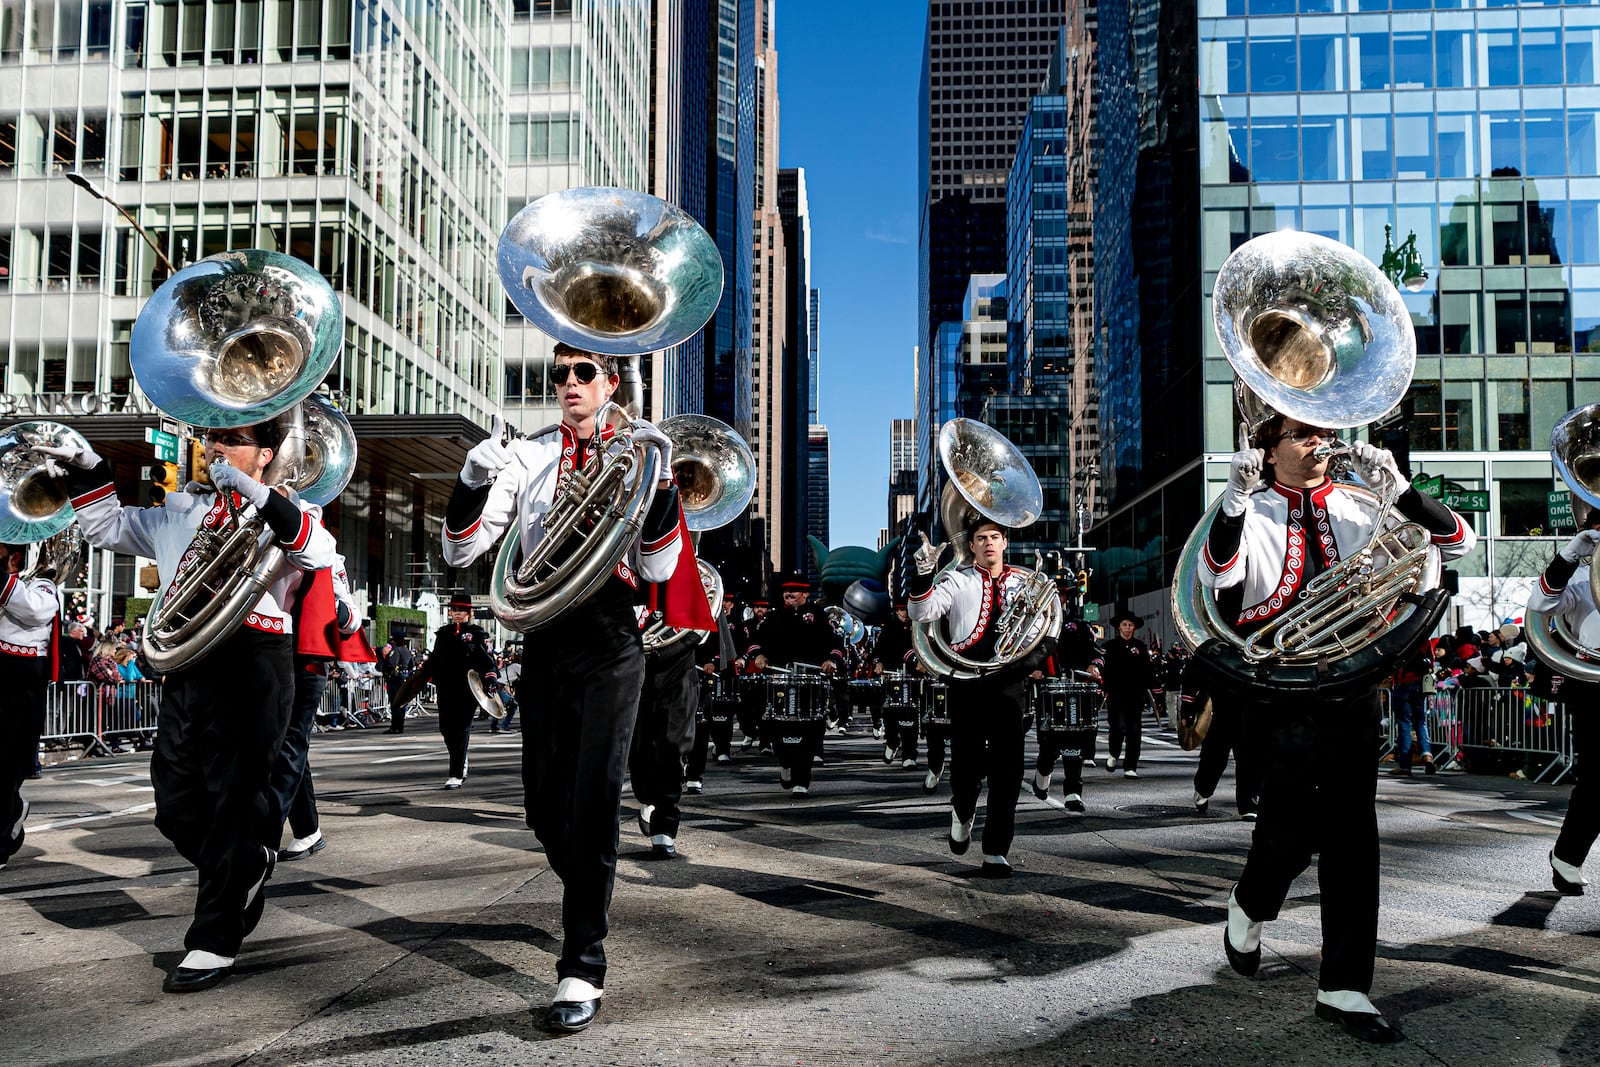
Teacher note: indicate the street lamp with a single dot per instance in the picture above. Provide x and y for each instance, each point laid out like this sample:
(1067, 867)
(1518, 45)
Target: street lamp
(1403, 265)
(77, 178)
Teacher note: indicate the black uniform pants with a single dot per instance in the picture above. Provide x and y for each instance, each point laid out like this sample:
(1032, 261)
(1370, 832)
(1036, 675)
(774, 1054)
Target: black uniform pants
(663, 733)
(1226, 734)
(937, 735)
(397, 714)
(752, 709)
(1125, 713)
(1072, 747)
(1318, 795)
(23, 683)
(455, 726)
(220, 731)
(900, 722)
(1582, 824)
(578, 706)
(292, 794)
(986, 742)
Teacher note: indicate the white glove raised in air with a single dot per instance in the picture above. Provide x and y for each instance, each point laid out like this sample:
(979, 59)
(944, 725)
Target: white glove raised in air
(926, 558)
(1374, 465)
(77, 455)
(487, 458)
(1244, 471)
(1581, 546)
(225, 476)
(650, 433)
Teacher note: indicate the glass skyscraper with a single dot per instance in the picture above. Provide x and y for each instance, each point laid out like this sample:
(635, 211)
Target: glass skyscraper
(1472, 127)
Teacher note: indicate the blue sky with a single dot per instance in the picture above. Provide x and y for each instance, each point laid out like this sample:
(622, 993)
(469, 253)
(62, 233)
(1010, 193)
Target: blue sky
(847, 96)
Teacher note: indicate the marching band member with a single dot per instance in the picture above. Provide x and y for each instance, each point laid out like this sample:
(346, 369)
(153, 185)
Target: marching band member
(459, 646)
(713, 724)
(1315, 756)
(326, 628)
(580, 693)
(893, 652)
(28, 609)
(665, 731)
(1076, 653)
(795, 634)
(223, 717)
(751, 709)
(986, 732)
(1563, 590)
(1127, 675)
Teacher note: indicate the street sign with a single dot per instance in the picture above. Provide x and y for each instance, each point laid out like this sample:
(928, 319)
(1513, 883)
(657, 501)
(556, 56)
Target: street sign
(166, 444)
(1466, 499)
(1091, 613)
(1433, 487)
(1558, 509)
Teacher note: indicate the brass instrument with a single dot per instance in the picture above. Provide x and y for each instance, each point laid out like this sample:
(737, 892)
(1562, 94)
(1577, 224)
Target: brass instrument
(34, 502)
(1317, 333)
(988, 478)
(846, 625)
(716, 476)
(235, 340)
(1575, 451)
(620, 273)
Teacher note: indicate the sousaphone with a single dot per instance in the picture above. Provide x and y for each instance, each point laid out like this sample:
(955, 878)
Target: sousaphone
(1575, 451)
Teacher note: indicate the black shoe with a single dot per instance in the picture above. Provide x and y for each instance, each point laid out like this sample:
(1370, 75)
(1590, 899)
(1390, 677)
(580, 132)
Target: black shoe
(286, 854)
(664, 852)
(1245, 963)
(960, 847)
(644, 823)
(257, 901)
(995, 870)
(1362, 1024)
(1072, 803)
(570, 1016)
(194, 979)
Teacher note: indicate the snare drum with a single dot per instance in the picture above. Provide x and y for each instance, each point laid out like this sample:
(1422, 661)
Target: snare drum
(936, 704)
(798, 698)
(866, 692)
(1061, 705)
(902, 690)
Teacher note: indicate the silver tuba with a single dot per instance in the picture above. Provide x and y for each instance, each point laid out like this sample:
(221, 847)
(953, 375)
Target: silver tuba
(1315, 332)
(620, 273)
(988, 478)
(238, 339)
(1575, 451)
(849, 628)
(716, 476)
(34, 502)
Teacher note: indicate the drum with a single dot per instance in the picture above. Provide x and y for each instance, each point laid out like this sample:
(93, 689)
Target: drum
(936, 704)
(798, 697)
(866, 692)
(1061, 704)
(902, 690)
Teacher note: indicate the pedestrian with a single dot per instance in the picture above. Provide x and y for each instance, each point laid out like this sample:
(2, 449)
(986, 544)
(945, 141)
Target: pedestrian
(1127, 672)
(397, 661)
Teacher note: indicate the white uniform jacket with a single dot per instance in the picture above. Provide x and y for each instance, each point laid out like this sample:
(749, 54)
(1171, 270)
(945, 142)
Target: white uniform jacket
(964, 598)
(524, 491)
(1270, 561)
(28, 608)
(1572, 602)
(165, 532)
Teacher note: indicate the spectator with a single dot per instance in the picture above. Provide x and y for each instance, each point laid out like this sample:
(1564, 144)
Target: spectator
(75, 649)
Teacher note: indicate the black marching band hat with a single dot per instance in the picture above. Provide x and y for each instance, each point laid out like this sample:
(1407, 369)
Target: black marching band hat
(793, 582)
(1126, 616)
(460, 602)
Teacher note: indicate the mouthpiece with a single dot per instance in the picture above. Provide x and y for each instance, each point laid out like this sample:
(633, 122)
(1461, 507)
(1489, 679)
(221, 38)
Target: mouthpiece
(1332, 448)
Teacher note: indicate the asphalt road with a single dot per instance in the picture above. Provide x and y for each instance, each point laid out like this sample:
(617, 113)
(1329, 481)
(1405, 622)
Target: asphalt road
(837, 929)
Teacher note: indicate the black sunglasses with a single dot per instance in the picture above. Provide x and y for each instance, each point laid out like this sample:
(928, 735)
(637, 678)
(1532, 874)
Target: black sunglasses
(228, 440)
(585, 372)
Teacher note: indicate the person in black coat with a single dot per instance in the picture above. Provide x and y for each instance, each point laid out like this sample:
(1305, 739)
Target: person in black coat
(1128, 674)
(797, 634)
(458, 646)
(1076, 654)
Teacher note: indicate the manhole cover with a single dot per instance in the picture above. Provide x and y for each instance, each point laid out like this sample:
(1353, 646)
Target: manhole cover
(1155, 809)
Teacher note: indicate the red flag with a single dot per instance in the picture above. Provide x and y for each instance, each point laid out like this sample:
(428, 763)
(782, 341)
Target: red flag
(681, 598)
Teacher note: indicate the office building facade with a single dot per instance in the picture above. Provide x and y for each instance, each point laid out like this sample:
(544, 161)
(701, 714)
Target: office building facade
(1474, 129)
(770, 355)
(801, 353)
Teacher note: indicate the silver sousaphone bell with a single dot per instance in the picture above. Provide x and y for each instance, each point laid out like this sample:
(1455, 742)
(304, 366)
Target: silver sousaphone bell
(1575, 452)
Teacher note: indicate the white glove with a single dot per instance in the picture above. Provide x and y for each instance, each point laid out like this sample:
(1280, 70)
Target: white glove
(225, 476)
(1243, 474)
(926, 558)
(1372, 464)
(1582, 545)
(487, 458)
(77, 455)
(649, 433)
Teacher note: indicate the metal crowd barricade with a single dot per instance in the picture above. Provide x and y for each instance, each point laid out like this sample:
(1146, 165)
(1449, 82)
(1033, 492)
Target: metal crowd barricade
(1467, 724)
(98, 716)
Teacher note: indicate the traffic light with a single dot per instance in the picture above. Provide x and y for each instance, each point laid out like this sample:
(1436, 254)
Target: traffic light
(163, 480)
(1083, 583)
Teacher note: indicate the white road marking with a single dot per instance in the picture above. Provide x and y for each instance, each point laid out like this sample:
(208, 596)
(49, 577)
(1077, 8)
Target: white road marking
(135, 810)
(1531, 817)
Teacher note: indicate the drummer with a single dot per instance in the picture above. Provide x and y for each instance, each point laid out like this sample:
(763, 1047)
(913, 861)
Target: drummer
(796, 636)
(1077, 657)
(893, 654)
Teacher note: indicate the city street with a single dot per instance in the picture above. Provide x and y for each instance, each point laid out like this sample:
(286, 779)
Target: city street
(835, 929)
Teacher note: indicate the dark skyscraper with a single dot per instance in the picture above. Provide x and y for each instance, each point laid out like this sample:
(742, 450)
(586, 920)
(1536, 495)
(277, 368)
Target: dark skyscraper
(798, 348)
(979, 72)
(730, 203)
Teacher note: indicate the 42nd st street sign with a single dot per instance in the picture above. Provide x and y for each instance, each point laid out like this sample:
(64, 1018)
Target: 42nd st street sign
(1452, 495)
